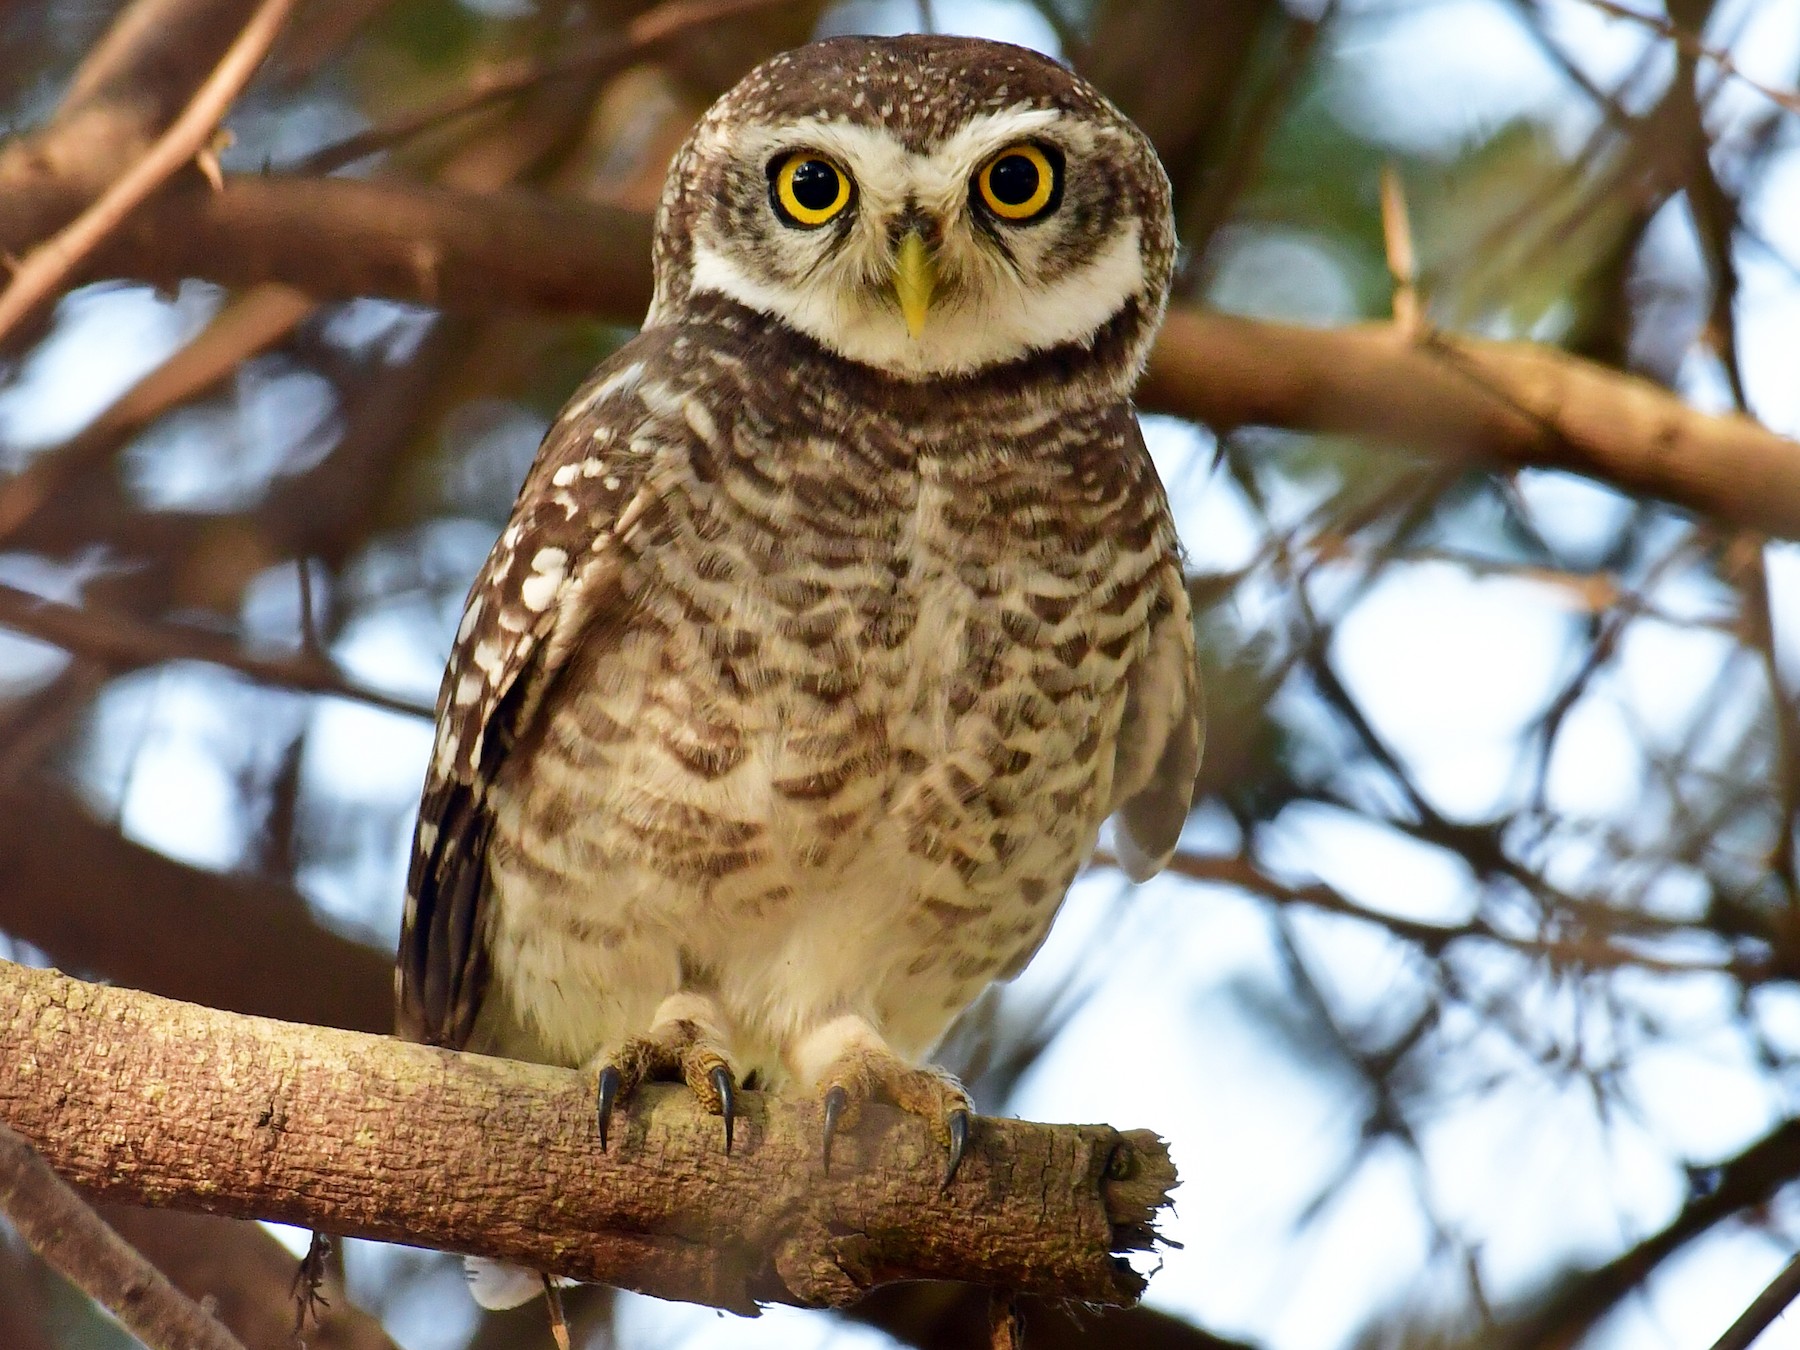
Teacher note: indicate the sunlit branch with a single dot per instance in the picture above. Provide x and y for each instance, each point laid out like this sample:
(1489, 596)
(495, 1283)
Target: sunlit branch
(47, 267)
(367, 1136)
(1472, 401)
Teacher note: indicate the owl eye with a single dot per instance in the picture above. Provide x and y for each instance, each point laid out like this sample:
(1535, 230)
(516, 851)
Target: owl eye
(808, 190)
(1020, 183)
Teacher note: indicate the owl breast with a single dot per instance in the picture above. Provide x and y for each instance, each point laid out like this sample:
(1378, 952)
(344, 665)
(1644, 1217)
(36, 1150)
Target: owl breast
(854, 743)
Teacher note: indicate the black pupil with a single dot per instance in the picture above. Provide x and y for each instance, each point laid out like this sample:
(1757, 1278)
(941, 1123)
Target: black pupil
(815, 185)
(1013, 181)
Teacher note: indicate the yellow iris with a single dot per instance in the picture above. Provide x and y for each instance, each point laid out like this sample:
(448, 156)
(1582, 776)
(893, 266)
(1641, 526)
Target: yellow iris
(810, 190)
(1018, 183)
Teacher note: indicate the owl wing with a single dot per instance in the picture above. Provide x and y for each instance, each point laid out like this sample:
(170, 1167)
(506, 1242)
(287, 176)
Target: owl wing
(1164, 726)
(551, 579)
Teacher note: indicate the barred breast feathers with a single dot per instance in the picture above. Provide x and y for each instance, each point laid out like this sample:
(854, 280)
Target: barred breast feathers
(624, 463)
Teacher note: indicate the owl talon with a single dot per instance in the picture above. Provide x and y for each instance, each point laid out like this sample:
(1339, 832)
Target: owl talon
(610, 1080)
(958, 1125)
(727, 1090)
(836, 1099)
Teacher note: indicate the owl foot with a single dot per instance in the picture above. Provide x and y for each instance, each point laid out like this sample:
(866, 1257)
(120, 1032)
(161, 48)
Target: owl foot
(869, 1073)
(680, 1046)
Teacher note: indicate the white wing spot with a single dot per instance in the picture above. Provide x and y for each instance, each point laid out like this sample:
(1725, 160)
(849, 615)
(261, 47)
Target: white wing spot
(468, 689)
(565, 475)
(539, 590)
(548, 568)
(445, 759)
(487, 659)
(701, 421)
(610, 482)
(469, 618)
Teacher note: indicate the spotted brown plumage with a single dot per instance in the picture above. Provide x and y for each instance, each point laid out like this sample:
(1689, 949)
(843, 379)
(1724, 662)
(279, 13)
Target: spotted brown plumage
(815, 653)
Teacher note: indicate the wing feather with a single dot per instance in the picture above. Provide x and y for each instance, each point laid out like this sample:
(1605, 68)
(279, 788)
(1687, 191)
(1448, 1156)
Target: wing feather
(1163, 729)
(551, 576)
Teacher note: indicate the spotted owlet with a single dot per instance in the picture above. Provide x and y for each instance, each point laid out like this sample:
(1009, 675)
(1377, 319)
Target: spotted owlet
(838, 611)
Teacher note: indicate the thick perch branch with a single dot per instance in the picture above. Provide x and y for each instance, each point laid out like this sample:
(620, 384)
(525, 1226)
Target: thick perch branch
(146, 1101)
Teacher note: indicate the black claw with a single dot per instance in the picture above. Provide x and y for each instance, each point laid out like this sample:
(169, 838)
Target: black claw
(722, 1084)
(609, 1093)
(836, 1099)
(959, 1140)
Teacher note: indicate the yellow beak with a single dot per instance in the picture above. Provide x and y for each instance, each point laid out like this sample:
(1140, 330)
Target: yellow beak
(915, 277)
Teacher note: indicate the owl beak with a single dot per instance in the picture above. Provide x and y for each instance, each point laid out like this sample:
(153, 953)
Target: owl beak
(915, 277)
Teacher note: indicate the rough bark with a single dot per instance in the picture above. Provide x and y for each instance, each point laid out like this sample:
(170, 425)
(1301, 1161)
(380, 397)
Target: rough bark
(142, 1100)
(1504, 404)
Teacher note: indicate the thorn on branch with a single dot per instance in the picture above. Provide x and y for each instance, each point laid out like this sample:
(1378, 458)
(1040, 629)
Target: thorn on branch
(207, 158)
(1396, 231)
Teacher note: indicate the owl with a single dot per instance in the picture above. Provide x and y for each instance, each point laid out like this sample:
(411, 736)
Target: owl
(838, 611)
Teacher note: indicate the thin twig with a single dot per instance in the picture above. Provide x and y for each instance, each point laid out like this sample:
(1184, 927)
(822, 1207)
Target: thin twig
(1402, 261)
(46, 267)
(1761, 1314)
(123, 642)
(63, 1229)
(1691, 44)
(642, 35)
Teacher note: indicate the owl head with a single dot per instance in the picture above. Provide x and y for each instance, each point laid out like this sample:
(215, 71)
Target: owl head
(926, 206)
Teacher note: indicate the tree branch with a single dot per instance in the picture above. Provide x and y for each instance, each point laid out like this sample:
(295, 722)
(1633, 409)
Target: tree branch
(1509, 404)
(1751, 1178)
(249, 1277)
(147, 1101)
(96, 901)
(57, 1224)
(121, 642)
(1512, 404)
(43, 271)
(337, 238)
(1763, 1310)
